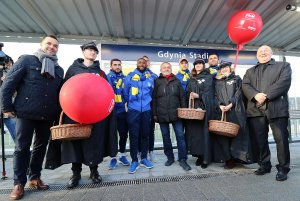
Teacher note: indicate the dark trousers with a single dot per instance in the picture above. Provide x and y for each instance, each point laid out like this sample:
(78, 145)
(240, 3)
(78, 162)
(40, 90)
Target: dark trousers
(151, 137)
(77, 167)
(168, 149)
(22, 157)
(122, 128)
(137, 121)
(259, 127)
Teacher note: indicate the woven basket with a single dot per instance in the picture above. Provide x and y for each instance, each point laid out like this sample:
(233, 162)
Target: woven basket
(70, 131)
(191, 113)
(224, 128)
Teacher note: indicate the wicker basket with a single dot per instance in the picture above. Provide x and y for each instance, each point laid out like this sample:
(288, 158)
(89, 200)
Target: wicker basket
(191, 113)
(70, 131)
(224, 128)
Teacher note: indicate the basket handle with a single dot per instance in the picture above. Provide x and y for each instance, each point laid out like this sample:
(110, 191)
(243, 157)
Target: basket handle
(223, 118)
(191, 102)
(60, 118)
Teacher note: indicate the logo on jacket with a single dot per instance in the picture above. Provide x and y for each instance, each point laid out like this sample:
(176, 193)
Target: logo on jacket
(201, 81)
(230, 82)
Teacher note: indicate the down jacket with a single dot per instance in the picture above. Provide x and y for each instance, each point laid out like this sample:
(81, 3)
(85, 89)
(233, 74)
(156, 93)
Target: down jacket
(166, 98)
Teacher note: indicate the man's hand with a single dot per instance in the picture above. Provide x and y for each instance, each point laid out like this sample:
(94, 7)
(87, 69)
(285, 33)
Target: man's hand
(9, 114)
(260, 98)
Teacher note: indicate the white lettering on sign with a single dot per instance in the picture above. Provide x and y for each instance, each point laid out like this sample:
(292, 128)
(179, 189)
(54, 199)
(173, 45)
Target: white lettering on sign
(179, 55)
(202, 56)
(170, 55)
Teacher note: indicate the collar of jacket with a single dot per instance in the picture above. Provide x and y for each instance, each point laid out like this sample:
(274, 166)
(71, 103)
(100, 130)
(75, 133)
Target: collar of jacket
(271, 62)
(113, 74)
(79, 62)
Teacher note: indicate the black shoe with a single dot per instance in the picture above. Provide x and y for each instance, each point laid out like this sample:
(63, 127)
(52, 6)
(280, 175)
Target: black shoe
(199, 161)
(262, 171)
(204, 165)
(184, 165)
(229, 164)
(281, 176)
(74, 181)
(96, 178)
(169, 162)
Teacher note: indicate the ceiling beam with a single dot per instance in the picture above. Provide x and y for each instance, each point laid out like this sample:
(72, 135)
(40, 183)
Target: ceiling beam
(36, 17)
(196, 17)
(292, 45)
(115, 17)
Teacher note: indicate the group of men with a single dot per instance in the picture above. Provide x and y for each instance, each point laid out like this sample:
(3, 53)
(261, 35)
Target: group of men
(38, 78)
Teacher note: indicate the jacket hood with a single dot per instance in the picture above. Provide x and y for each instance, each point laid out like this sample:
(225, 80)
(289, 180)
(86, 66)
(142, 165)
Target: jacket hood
(79, 63)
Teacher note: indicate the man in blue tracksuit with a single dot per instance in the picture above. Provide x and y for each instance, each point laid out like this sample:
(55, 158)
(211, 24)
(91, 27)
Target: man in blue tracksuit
(152, 134)
(116, 80)
(138, 88)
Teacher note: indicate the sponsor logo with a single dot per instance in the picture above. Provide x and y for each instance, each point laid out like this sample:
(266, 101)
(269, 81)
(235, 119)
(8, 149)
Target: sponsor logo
(111, 106)
(250, 15)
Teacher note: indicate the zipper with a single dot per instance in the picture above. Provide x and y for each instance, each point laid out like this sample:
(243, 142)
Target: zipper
(142, 96)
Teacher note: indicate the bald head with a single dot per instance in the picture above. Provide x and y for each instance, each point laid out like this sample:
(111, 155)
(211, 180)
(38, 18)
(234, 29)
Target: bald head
(264, 54)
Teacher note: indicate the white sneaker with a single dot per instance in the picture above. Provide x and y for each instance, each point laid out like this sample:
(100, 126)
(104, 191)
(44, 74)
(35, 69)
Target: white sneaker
(152, 157)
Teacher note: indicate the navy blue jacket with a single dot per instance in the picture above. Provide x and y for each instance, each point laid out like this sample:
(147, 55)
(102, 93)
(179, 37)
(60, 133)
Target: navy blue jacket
(118, 87)
(37, 96)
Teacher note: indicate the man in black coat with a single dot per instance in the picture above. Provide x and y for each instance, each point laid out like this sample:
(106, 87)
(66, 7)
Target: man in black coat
(167, 96)
(37, 80)
(266, 87)
(103, 140)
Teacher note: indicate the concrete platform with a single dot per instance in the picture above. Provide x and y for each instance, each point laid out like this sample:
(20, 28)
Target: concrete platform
(168, 183)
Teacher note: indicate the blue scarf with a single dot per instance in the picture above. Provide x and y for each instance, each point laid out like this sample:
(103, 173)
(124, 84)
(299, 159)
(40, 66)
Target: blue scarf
(118, 86)
(183, 76)
(136, 78)
(213, 70)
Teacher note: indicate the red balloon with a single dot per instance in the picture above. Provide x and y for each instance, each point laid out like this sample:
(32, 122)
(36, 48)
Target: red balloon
(87, 98)
(244, 26)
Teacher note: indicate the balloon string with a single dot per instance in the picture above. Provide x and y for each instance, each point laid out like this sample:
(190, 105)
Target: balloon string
(238, 48)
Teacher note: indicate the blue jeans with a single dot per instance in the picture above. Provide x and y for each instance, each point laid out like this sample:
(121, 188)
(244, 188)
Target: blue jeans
(22, 157)
(10, 124)
(139, 120)
(168, 149)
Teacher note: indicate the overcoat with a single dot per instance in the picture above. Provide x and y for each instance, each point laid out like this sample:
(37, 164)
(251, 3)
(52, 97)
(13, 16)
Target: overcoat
(228, 89)
(197, 134)
(102, 142)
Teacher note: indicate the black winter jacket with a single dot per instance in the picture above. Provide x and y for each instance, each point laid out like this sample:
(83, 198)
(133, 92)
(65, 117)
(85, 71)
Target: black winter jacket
(166, 98)
(37, 96)
(275, 81)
